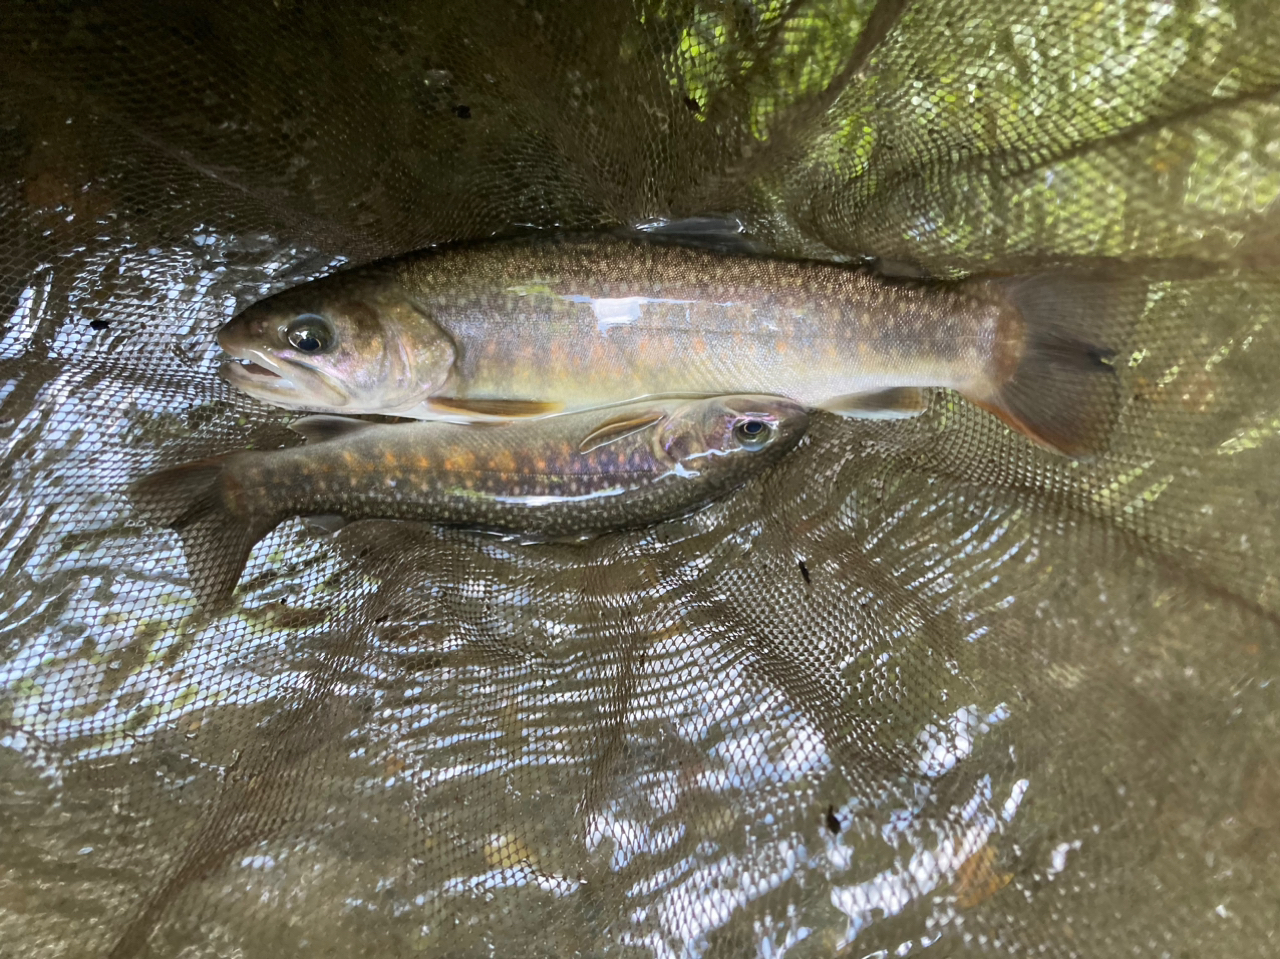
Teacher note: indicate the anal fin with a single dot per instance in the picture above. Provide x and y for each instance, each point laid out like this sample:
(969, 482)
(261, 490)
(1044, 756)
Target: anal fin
(895, 403)
(324, 426)
(496, 409)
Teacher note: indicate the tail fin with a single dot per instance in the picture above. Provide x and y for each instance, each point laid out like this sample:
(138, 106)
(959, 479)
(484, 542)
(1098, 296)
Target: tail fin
(216, 537)
(1064, 392)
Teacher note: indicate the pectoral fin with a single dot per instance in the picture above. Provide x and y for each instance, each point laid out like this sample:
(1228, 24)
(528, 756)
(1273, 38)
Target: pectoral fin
(496, 409)
(612, 430)
(896, 403)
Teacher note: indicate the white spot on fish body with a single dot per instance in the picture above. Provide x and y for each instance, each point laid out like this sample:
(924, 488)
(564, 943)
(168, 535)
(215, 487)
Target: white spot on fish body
(548, 500)
(618, 311)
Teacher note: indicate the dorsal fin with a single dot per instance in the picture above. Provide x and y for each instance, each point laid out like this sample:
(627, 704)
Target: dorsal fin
(325, 426)
(611, 431)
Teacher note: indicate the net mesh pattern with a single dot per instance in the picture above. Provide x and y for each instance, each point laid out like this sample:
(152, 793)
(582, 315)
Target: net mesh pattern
(919, 687)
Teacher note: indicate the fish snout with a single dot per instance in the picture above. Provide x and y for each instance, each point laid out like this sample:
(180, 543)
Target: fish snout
(242, 331)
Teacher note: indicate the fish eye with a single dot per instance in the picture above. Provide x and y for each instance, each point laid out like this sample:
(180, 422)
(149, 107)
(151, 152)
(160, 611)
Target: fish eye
(753, 434)
(310, 333)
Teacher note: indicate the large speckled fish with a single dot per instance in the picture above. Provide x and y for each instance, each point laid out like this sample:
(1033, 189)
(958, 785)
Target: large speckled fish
(559, 476)
(526, 328)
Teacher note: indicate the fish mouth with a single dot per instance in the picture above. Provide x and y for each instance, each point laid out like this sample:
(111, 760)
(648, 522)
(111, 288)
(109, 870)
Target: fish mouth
(253, 369)
(282, 382)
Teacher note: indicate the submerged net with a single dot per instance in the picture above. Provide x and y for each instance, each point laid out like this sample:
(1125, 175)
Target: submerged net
(920, 687)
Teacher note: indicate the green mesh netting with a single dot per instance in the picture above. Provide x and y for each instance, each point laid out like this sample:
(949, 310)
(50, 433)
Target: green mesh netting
(922, 687)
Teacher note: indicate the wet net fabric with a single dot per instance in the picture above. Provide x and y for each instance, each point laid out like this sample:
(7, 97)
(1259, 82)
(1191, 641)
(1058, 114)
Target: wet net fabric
(919, 688)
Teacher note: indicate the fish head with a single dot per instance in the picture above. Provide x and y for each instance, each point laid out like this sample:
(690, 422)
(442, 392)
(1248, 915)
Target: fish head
(340, 344)
(723, 432)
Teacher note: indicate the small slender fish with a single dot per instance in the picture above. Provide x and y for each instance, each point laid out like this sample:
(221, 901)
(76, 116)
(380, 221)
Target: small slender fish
(527, 328)
(554, 477)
